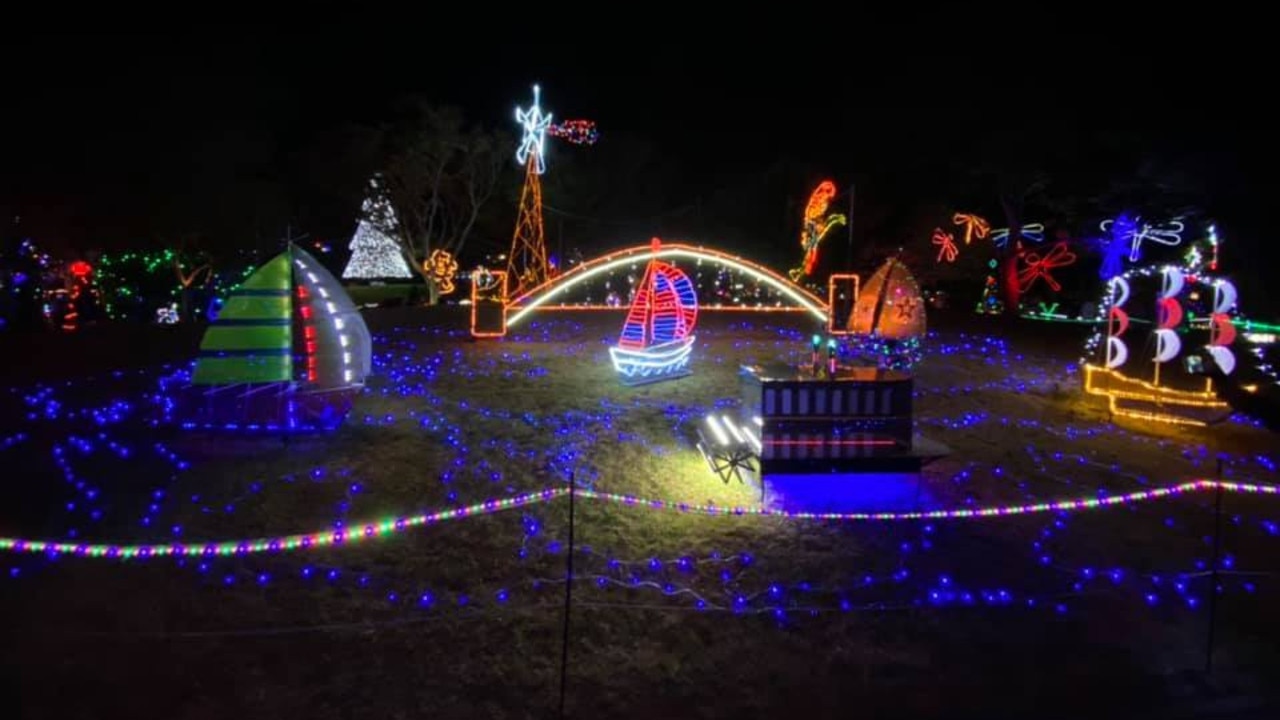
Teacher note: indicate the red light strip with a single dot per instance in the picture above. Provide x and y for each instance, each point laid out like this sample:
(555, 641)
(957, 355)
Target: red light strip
(308, 334)
(809, 443)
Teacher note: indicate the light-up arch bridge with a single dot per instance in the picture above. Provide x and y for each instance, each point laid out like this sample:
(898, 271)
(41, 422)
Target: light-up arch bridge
(504, 312)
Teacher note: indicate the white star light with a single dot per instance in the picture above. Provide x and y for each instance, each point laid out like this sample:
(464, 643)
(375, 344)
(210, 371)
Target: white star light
(535, 126)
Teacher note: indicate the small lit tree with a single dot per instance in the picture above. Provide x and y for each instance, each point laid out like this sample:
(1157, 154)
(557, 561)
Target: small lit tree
(375, 251)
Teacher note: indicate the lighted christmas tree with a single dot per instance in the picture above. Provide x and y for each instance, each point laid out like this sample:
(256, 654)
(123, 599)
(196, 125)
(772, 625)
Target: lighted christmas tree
(374, 253)
(990, 304)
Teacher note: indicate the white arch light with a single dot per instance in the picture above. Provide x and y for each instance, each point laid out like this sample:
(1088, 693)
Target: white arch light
(673, 251)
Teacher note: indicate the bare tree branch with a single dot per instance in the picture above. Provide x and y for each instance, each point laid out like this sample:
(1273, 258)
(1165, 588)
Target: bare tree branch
(439, 180)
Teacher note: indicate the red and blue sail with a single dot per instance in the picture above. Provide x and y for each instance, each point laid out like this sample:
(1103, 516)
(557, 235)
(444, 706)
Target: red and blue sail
(657, 336)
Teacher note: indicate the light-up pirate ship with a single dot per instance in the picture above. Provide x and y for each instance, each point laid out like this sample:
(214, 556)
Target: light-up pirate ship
(657, 337)
(288, 352)
(799, 425)
(1190, 310)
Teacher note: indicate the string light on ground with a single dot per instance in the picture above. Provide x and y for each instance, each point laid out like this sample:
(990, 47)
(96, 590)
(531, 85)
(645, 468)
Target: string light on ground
(923, 563)
(384, 528)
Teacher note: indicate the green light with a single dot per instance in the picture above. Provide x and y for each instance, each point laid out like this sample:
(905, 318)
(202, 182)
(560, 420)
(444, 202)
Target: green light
(817, 341)
(1251, 325)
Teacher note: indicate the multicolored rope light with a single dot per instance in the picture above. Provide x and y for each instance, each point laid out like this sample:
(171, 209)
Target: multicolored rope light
(358, 533)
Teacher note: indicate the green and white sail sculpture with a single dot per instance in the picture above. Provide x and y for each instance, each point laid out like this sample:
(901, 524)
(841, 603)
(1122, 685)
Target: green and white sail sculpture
(288, 351)
(252, 339)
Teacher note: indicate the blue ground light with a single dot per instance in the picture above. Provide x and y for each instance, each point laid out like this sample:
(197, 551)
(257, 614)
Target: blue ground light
(92, 442)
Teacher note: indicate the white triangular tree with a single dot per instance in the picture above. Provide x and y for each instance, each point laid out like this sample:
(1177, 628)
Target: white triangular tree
(375, 254)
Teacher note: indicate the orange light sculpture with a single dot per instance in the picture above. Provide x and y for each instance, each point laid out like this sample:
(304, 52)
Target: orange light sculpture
(527, 264)
(946, 243)
(817, 223)
(441, 267)
(488, 303)
(974, 226)
(493, 288)
(541, 296)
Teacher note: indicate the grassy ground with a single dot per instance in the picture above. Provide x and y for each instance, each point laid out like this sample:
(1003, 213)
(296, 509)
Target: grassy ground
(674, 615)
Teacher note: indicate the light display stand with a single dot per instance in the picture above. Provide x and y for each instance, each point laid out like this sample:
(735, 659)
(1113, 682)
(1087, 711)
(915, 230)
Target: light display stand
(836, 422)
(488, 304)
(842, 297)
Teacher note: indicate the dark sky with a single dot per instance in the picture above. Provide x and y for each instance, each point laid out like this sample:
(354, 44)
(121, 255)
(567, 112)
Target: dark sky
(91, 120)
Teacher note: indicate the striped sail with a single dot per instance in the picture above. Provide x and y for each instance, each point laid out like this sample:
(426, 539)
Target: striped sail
(664, 310)
(252, 339)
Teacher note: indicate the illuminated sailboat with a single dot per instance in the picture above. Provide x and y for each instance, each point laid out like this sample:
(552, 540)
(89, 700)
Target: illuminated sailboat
(889, 318)
(657, 337)
(288, 352)
(1206, 304)
(890, 306)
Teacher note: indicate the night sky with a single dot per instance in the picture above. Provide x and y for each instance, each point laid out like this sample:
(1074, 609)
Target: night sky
(97, 129)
